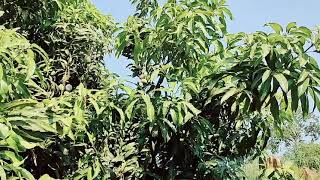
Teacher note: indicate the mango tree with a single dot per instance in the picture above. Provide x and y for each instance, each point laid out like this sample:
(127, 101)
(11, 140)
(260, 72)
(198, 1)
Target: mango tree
(205, 99)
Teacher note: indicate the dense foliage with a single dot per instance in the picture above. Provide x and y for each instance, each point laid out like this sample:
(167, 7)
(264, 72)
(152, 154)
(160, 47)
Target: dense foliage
(205, 100)
(306, 155)
(73, 33)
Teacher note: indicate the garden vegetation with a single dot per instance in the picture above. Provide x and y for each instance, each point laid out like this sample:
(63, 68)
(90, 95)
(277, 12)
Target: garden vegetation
(205, 100)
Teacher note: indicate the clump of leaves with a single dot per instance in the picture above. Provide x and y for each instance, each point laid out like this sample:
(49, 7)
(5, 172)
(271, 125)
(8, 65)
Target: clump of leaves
(299, 130)
(25, 122)
(19, 70)
(205, 98)
(76, 43)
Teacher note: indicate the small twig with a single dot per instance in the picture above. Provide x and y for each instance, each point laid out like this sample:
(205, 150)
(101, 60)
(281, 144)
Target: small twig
(308, 48)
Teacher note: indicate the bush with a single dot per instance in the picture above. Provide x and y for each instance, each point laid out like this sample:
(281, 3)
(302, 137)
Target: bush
(306, 155)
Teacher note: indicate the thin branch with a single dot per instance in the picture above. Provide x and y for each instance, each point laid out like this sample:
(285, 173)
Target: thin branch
(308, 48)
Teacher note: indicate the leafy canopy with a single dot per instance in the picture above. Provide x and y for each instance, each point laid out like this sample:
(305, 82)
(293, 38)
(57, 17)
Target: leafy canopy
(205, 99)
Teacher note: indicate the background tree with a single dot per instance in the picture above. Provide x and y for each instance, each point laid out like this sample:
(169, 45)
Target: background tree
(306, 155)
(298, 130)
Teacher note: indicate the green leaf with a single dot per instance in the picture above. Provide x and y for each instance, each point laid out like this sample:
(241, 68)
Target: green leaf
(179, 29)
(19, 104)
(1, 72)
(282, 81)
(150, 107)
(95, 105)
(174, 116)
(129, 109)
(274, 108)
(239, 124)
(122, 116)
(192, 86)
(165, 108)
(306, 30)
(180, 115)
(316, 94)
(234, 106)
(190, 25)
(228, 94)
(188, 116)
(315, 99)
(265, 50)
(82, 90)
(9, 155)
(253, 50)
(2, 174)
(303, 76)
(294, 99)
(265, 89)
(89, 174)
(276, 27)
(228, 12)
(217, 91)
(202, 44)
(31, 64)
(154, 74)
(96, 169)
(316, 79)
(26, 144)
(46, 177)
(174, 129)
(203, 29)
(303, 87)
(194, 110)
(304, 105)
(4, 131)
(26, 174)
(290, 26)
(265, 76)
(302, 61)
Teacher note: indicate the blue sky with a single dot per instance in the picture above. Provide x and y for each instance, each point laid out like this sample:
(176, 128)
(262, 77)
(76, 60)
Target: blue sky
(250, 16)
